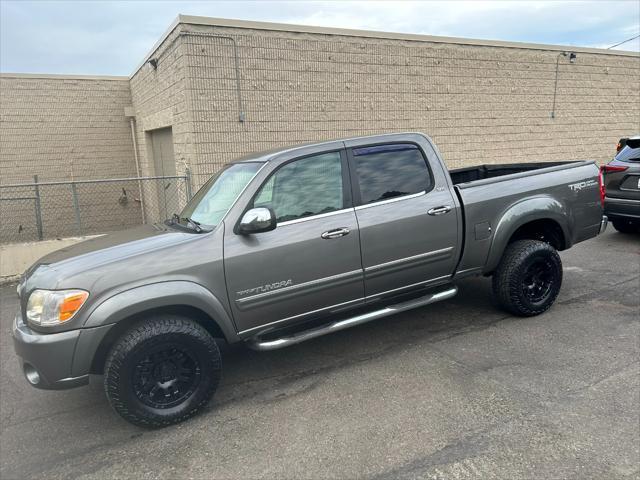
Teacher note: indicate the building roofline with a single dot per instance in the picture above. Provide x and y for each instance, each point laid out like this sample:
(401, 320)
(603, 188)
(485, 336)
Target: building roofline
(56, 76)
(286, 27)
(176, 21)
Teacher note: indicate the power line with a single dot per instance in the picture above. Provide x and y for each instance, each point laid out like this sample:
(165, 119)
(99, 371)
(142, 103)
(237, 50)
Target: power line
(625, 41)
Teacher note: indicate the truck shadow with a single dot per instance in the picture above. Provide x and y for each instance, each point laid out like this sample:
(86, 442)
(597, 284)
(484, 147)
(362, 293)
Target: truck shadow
(266, 377)
(278, 374)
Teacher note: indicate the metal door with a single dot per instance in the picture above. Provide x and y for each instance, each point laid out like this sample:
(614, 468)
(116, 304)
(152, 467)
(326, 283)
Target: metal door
(307, 266)
(168, 200)
(409, 234)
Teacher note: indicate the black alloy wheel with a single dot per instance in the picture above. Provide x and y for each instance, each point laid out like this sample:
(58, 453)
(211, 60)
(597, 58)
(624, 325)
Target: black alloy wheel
(538, 280)
(528, 278)
(161, 371)
(166, 376)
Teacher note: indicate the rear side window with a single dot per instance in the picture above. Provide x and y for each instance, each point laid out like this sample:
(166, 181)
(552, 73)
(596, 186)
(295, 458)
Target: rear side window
(631, 152)
(305, 187)
(389, 171)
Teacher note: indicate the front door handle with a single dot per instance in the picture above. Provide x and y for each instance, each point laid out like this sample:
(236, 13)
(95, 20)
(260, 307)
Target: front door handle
(336, 233)
(439, 210)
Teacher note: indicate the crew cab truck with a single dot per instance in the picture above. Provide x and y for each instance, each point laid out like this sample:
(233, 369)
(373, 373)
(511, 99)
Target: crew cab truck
(284, 246)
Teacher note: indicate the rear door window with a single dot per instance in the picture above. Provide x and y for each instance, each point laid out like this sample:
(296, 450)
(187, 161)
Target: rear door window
(389, 171)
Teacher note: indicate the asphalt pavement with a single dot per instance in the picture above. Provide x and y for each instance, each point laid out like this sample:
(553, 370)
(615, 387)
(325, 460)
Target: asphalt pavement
(456, 390)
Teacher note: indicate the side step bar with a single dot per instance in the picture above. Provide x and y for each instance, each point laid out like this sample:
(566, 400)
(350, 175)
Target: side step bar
(256, 344)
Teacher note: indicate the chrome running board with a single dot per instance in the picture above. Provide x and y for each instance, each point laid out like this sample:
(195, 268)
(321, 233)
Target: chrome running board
(257, 344)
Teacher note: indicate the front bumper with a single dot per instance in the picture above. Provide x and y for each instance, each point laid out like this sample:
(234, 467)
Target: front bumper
(47, 359)
(622, 208)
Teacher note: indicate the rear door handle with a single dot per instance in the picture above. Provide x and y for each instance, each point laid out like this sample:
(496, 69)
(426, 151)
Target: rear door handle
(439, 210)
(336, 233)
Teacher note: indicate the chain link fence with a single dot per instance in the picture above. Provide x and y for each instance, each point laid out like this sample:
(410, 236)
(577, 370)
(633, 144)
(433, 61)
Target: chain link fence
(45, 210)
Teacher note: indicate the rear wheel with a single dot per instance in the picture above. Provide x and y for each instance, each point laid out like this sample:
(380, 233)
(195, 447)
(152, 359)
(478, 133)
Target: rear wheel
(162, 371)
(626, 226)
(528, 278)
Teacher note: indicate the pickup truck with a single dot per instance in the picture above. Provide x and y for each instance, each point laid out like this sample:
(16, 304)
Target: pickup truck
(288, 245)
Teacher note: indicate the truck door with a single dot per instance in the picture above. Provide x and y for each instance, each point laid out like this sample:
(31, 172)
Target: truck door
(407, 218)
(310, 264)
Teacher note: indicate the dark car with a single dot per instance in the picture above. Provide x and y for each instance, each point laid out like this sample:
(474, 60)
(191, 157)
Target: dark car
(621, 180)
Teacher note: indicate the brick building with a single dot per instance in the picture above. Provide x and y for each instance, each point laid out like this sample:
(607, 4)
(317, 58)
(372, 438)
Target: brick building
(212, 89)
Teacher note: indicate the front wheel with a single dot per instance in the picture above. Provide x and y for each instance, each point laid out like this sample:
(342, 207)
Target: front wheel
(528, 278)
(162, 371)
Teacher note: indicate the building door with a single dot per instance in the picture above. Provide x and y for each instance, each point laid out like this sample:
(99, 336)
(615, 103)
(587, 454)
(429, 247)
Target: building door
(168, 200)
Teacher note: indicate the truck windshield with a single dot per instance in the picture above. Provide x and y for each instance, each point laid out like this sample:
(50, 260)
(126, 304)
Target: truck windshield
(216, 197)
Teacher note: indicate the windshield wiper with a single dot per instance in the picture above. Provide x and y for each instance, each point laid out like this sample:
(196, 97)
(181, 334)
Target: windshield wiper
(193, 223)
(175, 218)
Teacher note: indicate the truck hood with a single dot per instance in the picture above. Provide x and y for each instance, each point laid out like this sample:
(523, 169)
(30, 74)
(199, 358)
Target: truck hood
(104, 249)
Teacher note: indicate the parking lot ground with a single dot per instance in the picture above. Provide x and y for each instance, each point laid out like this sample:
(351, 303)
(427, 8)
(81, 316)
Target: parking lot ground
(456, 390)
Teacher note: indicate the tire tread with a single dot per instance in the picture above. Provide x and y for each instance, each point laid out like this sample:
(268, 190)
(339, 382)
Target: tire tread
(506, 290)
(143, 331)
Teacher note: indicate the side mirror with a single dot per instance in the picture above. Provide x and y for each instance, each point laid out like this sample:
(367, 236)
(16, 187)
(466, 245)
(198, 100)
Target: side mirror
(257, 220)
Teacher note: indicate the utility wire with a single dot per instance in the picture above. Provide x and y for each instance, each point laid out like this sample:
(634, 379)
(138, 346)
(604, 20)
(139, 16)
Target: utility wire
(625, 41)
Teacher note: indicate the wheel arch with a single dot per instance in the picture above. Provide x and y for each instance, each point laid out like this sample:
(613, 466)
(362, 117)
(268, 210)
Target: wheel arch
(118, 313)
(118, 329)
(541, 218)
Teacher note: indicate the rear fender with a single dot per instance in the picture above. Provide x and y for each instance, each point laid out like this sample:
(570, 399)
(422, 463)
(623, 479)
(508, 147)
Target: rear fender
(537, 208)
(163, 294)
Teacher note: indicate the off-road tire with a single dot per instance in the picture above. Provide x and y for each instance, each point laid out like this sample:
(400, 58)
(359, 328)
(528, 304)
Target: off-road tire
(626, 226)
(511, 280)
(157, 338)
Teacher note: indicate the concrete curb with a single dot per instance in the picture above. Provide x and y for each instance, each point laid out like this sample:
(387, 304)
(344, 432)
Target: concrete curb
(9, 279)
(15, 258)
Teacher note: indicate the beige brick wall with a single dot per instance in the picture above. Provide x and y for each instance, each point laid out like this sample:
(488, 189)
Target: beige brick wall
(480, 104)
(160, 100)
(62, 127)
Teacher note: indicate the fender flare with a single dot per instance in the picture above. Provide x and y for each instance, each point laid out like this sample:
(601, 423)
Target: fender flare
(537, 208)
(162, 294)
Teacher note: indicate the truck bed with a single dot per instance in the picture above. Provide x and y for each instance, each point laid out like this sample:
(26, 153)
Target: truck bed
(488, 193)
(483, 172)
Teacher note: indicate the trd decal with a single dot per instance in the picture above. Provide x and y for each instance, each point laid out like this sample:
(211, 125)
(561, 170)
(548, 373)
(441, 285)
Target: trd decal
(576, 187)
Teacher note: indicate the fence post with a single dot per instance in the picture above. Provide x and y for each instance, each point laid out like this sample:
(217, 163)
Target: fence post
(141, 195)
(187, 181)
(38, 210)
(76, 207)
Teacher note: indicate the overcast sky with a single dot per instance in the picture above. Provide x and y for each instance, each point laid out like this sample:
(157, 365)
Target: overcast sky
(111, 38)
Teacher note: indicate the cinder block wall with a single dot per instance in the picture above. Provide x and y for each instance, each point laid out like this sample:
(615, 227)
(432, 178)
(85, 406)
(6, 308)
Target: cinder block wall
(63, 127)
(160, 100)
(480, 104)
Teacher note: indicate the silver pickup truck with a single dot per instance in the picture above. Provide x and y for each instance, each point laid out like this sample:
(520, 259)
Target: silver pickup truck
(284, 246)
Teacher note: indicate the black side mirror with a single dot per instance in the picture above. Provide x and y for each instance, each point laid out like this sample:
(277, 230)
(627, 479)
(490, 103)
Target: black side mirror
(257, 220)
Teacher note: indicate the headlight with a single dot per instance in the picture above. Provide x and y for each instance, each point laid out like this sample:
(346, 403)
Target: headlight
(53, 307)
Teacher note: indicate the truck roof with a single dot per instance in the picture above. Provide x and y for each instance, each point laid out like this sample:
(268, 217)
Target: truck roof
(266, 155)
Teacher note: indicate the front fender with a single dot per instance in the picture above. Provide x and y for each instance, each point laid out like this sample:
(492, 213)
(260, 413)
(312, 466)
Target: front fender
(538, 208)
(162, 294)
